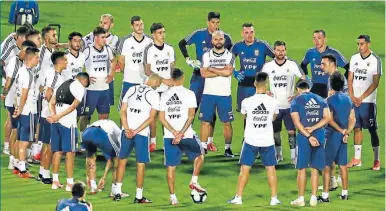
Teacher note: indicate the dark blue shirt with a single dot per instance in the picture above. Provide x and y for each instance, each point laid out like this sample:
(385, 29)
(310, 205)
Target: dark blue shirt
(72, 205)
(314, 58)
(203, 41)
(340, 105)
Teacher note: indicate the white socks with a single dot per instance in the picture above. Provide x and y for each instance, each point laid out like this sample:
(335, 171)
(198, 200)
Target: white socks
(228, 146)
(293, 153)
(204, 145)
(278, 150)
(313, 198)
(55, 177)
(118, 188)
(376, 153)
(70, 181)
(344, 192)
(358, 151)
(173, 196)
(194, 179)
(139, 193)
(301, 198)
(210, 140)
(325, 195)
(153, 140)
(93, 184)
(6, 145)
(41, 169)
(46, 174)
(22, 165)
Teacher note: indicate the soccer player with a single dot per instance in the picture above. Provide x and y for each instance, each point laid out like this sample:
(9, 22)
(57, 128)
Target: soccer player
(282, 72)
(100, 64)
(139, 109)
(106, 22)
(341, 124)
(75, 58)
(34, 36)
(9, 93)
(54, 78)
(313, 57)
(365, 73)
(202, 39)
(26, 106)
(104, 135)
(64, 134)
(260, 110)
(50, 38)
(217, 69)
(328, 65)
(77, 202)
(131, 52)
(177, 109)
(310, 114)
(159, 58)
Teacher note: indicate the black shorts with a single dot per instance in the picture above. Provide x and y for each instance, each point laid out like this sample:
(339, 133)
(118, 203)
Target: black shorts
(320, 89)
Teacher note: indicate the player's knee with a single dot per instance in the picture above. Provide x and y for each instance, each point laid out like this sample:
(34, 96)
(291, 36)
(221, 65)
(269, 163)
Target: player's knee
(291, 132)
(227, 125)
(357, 130)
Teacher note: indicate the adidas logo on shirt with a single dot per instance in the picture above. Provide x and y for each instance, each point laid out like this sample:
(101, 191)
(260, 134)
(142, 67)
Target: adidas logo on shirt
(312, 104)
(260, 110)
(174, 100)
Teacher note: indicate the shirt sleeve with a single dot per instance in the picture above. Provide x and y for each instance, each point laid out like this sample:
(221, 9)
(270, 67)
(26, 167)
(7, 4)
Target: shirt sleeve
(379, 66)
(340, 59)
(233, 60)
(86, 53)
(276, 104)
(146, 57)
(110, 52)
(25, 80)
(306, 60)
(294, 106)
(129, 93)
(192, 100)
(172, 55)
(235, 50)
(10, 68)
(192, 37)
(243, 109)
(205, 60)
(269, 50)
(297, 70)
(162, 106)
(77, 90)
(154, 100)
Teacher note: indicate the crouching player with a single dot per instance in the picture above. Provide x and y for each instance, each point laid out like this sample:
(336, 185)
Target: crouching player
(177, 109)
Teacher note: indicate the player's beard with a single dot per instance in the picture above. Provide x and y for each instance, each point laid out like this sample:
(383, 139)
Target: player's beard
(219, 46)
(280, 57)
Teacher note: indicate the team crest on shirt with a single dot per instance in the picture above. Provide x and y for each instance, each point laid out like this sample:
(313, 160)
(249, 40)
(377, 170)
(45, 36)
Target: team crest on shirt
(256, 52)
(356, 64)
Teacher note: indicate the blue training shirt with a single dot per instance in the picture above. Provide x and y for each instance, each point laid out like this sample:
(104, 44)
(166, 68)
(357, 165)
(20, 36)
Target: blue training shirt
(252, 58)
(314, 58)
(72, 204)
(202, 39)
(340, 105)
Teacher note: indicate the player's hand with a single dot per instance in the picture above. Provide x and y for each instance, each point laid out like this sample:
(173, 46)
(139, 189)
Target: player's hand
(177, 138)
(16, 113)
(109, 78)
(313, 141)
(269, 93)
(92, 80)
(53, 119)
(359, 101)
(238, 75)
(309, 129)
(129, 133)
(290, 98)
(168, 82)
(101, 183)
(2, 97)
(343, 131)
(193, 63)
(345, 138)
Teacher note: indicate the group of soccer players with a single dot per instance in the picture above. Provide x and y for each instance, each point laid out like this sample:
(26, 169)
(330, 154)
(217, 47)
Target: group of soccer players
(48, 94)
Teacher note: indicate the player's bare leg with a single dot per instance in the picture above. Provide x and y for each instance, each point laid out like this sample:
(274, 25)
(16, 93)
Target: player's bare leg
(70, 158)
(84, 120)
(314, 186)
(228, 133)
(140, 181)
(302, 182)
(344, 175)
(23, 145)
(46, 159)
(117, 190)
(326, 184)
(205, 130)
(57, 156)
(153, 135)
(211, 145)
(358, 138)
(12, 142)
(272, 181)
(91, 172)
(103, 116)
(243, 179)
(198, 163)
(170, 176)
(7, 134)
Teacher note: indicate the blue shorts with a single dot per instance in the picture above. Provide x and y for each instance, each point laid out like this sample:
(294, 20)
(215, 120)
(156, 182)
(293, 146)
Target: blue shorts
(99, 100)
(249, 153)
(309, 156)
(197, 86)
(284, 114)
(125, 86)
(173, 152)
(242, 93)
(63, 139)
(210, 103)
(336, 150)
(111, 92)
(94, 138)
(14, 121)
(26, 127)
(45, 131)
(366, 116)
(141, 146)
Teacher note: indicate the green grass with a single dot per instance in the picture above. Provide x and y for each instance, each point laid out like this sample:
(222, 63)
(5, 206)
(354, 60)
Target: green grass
(292, 22)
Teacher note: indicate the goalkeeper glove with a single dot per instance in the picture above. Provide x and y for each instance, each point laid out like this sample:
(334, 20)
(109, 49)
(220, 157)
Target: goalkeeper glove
(193, 63)
(238, 75)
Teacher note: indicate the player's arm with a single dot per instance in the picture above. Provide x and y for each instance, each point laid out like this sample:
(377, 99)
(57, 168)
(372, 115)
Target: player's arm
(164, 122)
(351, 121)
(113, 63)
(68, 110)
(121, 62)
(296, 119)
(350, 80)
(123, 114)
(335, 125)
(109, 164)
(304, 63)
(205, 73)
(23, 100)
(182, 45)
(192, 112)
(225, 72)
(324, 121)
(48, 94)
(152, 117)
(51, 105)
(371, 88)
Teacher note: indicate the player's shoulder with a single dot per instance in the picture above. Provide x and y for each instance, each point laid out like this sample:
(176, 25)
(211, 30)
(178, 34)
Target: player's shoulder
(147, 47)
(239, 43)
(375, 56)
(260, 41)
(148, 36)
(291, 61)
(227, 35)
(356, 56)
(334, 50)
(168, 45)
(127, 37)
(311, 50)
(200, 30)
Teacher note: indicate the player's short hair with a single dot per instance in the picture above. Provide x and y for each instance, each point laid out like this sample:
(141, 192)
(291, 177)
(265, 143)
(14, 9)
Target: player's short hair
(261, 77)
(57, 55)
(177, 74)
(45, 30)
(330, 58)
(154, 76)
(155, 26)
(108, 15)
(337, 81)
(99, 30)
(22, 31)
(28, 43)
(320, 31)
(212, 15)
(218, 32)
(31, 50)
(279, 43)
(303, 84)
(84, 75)
(78, 190)
(74, 34)
(365, 37)
(247, 25)
(28, 25)
(32, 32)
(135, 18)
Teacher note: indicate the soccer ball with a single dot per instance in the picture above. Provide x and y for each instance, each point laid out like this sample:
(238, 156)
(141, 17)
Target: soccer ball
(198, 197)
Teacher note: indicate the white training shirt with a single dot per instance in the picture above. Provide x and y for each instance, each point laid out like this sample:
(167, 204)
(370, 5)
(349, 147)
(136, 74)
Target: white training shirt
(259, 109)
(364, 69)
(98, 63)
(69, 120)
(282, 80)
(219, 85)
(8, 42)
(111, 40)
(74, 66)
(160, 61)
(53, 80)
(45, 64)
(11, 71)
(114, 133)
(176, 103)
(133, 51)
(26, 79)
(140, 100)
(11, 52)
